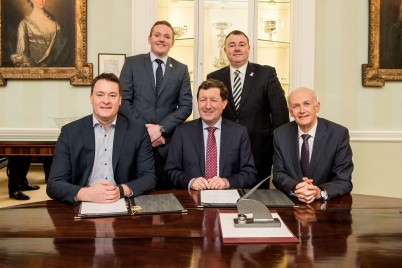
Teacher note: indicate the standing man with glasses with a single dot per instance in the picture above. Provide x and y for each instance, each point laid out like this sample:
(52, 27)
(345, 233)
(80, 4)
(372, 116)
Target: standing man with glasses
(156, 90)
(256, 99)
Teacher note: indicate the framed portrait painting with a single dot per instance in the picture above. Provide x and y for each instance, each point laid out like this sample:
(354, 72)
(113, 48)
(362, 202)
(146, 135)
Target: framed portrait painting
(44, 40)
(385, 43)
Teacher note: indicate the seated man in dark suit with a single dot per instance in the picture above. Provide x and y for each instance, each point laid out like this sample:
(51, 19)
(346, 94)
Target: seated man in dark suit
(211, 152)
(313, 158)
(104, 156)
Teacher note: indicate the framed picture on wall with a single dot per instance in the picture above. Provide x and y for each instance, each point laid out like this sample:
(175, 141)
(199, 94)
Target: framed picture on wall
(110, 63)
(44, 40)
(385, 43)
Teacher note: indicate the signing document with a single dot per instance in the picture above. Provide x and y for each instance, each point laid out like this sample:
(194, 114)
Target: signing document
(92, 208)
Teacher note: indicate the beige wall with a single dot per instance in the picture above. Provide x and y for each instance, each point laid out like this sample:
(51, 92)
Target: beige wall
(341, 48)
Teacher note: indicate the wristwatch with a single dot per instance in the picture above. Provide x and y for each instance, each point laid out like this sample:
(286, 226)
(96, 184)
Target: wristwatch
(324, 194)
(292, 191)
(162, 129)
(121, 190)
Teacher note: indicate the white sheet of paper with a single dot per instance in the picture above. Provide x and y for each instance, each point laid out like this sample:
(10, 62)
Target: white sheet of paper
(229, 231)
(219, 196)
(89, 208)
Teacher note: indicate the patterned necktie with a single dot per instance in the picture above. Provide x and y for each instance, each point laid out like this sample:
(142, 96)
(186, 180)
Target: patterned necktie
(237, 88)
(159, 75)
(211, 156)
(305, 155)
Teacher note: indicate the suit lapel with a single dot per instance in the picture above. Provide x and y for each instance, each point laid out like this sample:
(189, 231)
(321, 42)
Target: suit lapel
(248, 84)
(226, 81)
(321, 136)
(149, 71)
(198, 141)
(88, 136)
(119, 134)
(226, 140)
(166, 76)
(293, 139)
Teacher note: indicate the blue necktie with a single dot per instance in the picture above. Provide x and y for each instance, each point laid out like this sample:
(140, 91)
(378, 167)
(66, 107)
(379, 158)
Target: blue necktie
(158, 75)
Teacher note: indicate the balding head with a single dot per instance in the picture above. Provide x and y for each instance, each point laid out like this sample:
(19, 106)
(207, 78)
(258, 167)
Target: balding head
(303, 107)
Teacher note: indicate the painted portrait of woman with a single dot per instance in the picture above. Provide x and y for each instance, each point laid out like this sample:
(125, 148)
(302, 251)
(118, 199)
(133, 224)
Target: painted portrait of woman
(391, 34)
(40, 40)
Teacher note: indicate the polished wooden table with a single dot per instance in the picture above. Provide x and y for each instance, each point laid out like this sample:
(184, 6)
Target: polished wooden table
(27, 148)
(352, 231)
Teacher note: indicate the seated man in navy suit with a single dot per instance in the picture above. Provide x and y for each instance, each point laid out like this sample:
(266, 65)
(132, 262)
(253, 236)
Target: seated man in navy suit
(320, 167)
(104, 156)
(211, 152)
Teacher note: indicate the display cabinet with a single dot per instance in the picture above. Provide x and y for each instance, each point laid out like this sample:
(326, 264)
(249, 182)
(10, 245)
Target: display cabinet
(273, 27)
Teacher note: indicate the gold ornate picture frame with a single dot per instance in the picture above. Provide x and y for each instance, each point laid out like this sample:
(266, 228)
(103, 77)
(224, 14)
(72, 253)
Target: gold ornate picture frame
(385, 58)
(71, 17)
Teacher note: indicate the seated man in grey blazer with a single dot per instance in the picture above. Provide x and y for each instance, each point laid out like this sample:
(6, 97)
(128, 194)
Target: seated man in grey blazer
(104, 156)
(211, 152)
(313, 158)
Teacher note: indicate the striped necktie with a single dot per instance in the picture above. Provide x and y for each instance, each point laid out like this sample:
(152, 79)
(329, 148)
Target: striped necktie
(237, 88)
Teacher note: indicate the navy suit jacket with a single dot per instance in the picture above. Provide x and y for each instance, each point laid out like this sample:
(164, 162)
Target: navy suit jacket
(133, 162)
(331, 164)
(262, 109)
(186, 159)
(169, 108)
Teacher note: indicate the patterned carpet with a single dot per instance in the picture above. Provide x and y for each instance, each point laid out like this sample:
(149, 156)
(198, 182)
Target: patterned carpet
(35, 176)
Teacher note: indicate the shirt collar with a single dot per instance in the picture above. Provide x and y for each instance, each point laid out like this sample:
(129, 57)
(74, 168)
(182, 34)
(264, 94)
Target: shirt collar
(96, 122)
(242, 69)
(218, 124)
(154, 57)
(311, 132)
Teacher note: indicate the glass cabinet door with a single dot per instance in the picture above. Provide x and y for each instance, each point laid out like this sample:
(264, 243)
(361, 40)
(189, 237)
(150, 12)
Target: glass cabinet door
(181, 15)
(220, 18)
(273, 35)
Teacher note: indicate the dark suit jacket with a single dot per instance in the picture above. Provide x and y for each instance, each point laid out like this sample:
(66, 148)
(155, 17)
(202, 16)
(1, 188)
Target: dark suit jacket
(262, 109)
(133, 162)
(186, 159)
(169, 108)
(331, 163)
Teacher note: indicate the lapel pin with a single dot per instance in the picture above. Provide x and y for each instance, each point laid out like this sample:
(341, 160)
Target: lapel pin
(170, 65)
(251, 74)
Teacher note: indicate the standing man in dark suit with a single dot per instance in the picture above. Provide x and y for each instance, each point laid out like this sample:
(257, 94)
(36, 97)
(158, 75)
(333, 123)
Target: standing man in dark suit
(256, 99)
(211, 152)
(17, 170)
(320, 167)
(104, 156)
(161, 106)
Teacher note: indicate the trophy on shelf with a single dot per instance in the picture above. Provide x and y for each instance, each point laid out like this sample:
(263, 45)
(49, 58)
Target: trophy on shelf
(179, 31)
(221, 61)
(269, 27)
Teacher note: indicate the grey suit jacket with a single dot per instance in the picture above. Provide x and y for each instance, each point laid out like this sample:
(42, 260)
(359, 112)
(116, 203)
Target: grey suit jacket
(186, 159)
(331, 163)
(262, 109)
(74, 156)
(169, 108)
